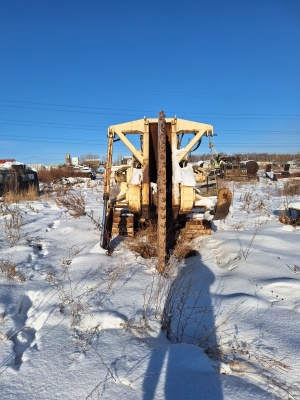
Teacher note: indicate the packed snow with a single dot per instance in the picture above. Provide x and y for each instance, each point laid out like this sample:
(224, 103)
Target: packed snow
(10, 164)
(76, 323)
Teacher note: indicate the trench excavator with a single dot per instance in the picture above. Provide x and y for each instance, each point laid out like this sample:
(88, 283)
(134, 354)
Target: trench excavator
(160, 184)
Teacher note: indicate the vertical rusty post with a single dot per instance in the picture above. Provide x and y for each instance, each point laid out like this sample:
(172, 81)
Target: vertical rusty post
(104, 234)
(108, 164)
(162, 193)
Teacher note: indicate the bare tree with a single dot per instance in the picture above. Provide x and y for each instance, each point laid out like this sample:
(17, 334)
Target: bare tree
(88, 156)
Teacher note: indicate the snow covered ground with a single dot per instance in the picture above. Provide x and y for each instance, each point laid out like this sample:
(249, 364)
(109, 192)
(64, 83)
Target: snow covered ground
(76, 323)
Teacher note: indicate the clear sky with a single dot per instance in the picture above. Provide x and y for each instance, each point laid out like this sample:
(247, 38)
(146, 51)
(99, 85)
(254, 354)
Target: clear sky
(71, 68)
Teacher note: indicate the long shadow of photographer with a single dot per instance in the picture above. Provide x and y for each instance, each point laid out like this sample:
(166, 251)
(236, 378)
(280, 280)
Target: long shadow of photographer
(179, 367)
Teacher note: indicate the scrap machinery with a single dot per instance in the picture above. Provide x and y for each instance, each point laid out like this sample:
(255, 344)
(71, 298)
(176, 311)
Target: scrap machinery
(159, 184)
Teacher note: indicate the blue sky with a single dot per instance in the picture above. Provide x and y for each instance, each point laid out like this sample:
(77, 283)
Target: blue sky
(71, 68)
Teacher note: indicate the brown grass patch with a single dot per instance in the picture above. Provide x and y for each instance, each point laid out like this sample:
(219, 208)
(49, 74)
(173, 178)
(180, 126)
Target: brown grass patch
(25, 195)
(145, 241)
(290, 188)
(10, 270)
(52, 174)
(183, 249)
(286, 218)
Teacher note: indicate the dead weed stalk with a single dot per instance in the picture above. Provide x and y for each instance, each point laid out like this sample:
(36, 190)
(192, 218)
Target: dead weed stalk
(74, 203)
(246, 248)
(10, 270)
(70, 295)
(13, 222)
(145, 241)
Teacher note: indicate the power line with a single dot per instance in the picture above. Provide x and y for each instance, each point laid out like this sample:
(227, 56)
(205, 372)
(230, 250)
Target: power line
(49, 138)
(89, 128)
(228, 115)
(56, 109)
(153, 92)
(72, 106)
(119, 144)
(238, 131)
(67, 142)
(52, 123)
(49, 126)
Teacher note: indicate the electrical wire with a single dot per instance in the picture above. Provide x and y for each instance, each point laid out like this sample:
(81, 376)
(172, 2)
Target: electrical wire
(106, 109)
(144, 91)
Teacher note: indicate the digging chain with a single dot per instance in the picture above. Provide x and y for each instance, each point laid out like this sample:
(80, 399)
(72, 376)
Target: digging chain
(162, 193)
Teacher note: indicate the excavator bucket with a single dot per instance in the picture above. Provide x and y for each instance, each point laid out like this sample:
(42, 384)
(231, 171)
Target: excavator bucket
(223, 204)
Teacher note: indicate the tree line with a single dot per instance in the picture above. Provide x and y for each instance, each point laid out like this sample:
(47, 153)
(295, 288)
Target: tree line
(262, 157)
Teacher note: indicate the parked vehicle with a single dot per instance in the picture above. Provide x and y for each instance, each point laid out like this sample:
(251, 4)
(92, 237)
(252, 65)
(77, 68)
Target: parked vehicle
(86, 172)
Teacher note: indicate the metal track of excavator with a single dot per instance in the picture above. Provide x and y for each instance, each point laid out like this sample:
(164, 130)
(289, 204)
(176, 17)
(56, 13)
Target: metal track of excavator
(123, 224)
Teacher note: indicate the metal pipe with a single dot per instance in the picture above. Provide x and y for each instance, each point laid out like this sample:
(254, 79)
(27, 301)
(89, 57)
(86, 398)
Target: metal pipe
(103, 234)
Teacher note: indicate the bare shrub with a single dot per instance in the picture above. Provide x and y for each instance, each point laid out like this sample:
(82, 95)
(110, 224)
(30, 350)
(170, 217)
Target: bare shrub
(74, 203)
(75, 298)
(70, 301)
(61, 189)
(183, 248)
(9, 269)
(113, 275)
(252, 201)
(145, 241)
(154, 296)
(49, 175)
(184, 315)
(97, 223)
(286, 217)
(71, 297)
(13, 222)
(246, 248)
(54, 174)
(31, 208)
(290, 188)
(243, 356)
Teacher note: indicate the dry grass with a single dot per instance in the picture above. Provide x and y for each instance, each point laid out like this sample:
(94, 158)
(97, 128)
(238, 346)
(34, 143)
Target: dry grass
(183, 248)
(286, 218)
(145, 241)
(25, 195)
(52, 174)
(13, 222)
(290, 188)
(61, 189)
(9, 269)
